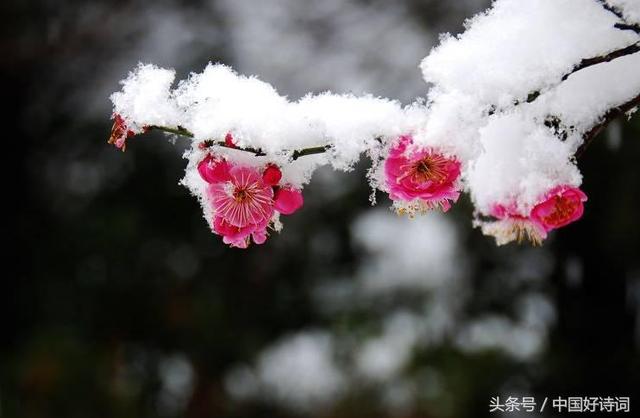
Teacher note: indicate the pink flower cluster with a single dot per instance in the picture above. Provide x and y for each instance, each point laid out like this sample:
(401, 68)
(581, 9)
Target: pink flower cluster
(559, 207)
(420, 179)
(245, 200)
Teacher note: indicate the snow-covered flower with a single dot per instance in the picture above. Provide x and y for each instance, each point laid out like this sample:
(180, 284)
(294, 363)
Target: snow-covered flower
(511, 225)
(561, 206)
(420, 179)
(244, 200)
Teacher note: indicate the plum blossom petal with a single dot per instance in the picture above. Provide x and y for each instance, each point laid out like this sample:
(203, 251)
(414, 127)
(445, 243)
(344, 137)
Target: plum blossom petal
(272, 175)
(288, 200)
(232, 235)
(214, 170)
(260, 234)
(240, 237)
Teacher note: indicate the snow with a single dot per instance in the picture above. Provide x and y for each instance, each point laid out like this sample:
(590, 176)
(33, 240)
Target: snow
(519, 47)
(586, 96)
(146, 98)
(218, 101)
(520, 162)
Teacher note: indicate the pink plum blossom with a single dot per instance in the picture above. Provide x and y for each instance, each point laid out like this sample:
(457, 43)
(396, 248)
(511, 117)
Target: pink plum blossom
(420, 179)
(245, 201)
(560, 206)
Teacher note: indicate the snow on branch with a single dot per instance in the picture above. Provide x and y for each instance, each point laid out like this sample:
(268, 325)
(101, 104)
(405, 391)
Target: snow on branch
(624, 109)
(512, 102)
(624, 11)
(588, 62)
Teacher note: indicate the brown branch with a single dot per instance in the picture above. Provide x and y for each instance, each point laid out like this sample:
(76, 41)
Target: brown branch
(176, 131)
(585, 63)
(588, 62)
(310, 151)
(619, 15)
(608, 117)
(628, 26)
(179, 130)
(611, 9)
(211, 143)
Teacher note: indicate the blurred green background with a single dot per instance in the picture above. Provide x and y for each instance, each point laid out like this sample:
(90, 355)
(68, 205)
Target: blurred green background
(119, 302)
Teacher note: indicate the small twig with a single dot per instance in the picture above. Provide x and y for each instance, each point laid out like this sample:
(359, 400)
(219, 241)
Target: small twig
(622, 26)
(588, 62)
(585, 63)
(628, 26)
(611, 9)
(612, 114)
(208, 143)
(179, 130)
(310, 151)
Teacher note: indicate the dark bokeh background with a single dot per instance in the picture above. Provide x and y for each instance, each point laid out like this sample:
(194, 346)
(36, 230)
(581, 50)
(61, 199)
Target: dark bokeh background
(118, 301)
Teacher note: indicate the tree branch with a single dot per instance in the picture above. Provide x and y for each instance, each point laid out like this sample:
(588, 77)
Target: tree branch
(179, 130)
(628, 26)
(585, 63)
(608, 117)
(619, 15)
(310, 151)
(588, 62)
(176, 131)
